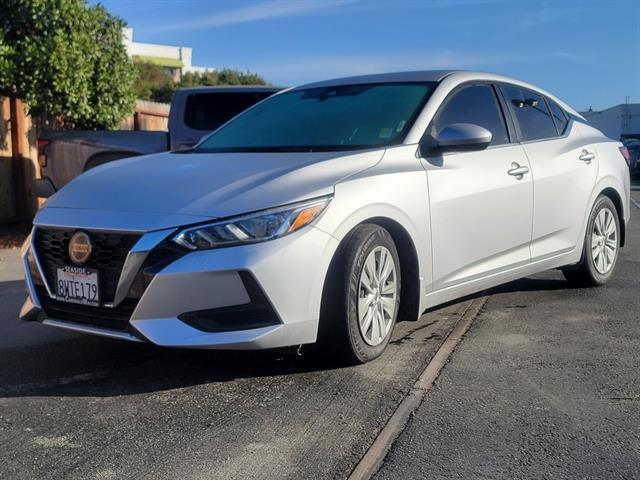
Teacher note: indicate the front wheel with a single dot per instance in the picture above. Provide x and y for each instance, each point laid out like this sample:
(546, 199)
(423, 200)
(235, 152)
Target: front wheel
(362, 296)
(601, 246)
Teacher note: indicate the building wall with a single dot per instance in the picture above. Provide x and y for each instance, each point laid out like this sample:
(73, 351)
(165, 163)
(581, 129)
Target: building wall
(621, 121)
(197, 69)
(183, 54)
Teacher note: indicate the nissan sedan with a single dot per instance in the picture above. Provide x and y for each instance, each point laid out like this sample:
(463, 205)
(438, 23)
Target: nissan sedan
(328, 212)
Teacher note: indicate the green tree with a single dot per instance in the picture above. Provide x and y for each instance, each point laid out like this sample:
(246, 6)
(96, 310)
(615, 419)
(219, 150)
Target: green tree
(66, 59)
(155, 83)
(226, 76)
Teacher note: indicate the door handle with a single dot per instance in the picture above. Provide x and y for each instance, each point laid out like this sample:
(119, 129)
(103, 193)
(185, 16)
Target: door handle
(518, 171)
(586, 156)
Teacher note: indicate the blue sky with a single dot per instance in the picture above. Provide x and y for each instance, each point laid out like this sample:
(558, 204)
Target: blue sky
(585, 51)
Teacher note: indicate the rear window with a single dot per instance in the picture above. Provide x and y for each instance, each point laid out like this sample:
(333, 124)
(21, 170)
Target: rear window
(531, 113)
(208, 111)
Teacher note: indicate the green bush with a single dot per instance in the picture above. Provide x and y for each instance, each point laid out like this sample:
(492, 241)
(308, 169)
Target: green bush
(66, 59)
(153, 82)
(156, 83)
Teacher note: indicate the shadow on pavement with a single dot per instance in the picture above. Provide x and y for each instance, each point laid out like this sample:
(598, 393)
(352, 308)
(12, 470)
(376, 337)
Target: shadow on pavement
(93, 366)
(54, 363)
(546, 281)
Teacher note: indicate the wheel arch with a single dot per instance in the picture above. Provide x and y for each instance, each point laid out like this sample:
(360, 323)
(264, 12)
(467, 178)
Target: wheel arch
(409, 265)
(615, 197)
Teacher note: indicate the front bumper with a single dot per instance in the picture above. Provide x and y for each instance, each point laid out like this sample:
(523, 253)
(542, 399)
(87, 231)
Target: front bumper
(265, 295)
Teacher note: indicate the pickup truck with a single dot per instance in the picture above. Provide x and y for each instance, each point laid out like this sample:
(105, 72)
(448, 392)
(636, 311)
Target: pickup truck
(194, 112)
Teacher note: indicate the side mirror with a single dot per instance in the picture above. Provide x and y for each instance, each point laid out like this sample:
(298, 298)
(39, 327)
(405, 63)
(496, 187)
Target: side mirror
(460, 137)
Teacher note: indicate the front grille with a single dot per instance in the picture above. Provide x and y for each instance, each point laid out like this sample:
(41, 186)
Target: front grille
(108, 256)
(111, 318)
(110, 252)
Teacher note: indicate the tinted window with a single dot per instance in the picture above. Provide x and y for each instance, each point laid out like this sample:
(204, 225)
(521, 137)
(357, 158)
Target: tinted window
(559, 117)
(207, 111)
(531, 113)
(478, 105)
(344, 117)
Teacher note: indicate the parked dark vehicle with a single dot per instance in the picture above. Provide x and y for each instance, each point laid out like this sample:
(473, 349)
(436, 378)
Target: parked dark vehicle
(195, 112)
(634, 161)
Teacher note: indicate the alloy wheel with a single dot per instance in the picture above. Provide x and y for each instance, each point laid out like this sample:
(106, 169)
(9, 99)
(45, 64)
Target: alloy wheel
(377, 294)
(604, 241)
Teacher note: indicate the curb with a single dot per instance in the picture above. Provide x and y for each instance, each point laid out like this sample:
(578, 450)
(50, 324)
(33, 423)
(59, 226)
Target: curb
(375, 455)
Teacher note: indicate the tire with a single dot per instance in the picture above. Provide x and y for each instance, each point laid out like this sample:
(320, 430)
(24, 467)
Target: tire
(600, 252)
(341, 336)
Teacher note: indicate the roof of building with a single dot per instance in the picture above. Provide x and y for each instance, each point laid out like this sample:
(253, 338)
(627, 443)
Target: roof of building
(620, 106)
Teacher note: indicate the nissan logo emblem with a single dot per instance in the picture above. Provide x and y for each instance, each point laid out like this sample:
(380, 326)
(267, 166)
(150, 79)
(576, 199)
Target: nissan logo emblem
(80, 247)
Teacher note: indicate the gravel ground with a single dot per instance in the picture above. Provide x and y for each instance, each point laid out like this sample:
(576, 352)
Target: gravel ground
(12, 235)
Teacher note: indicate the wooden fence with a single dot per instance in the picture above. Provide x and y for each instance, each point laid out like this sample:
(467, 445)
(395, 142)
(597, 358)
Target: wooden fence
(19, 152)
(18, 162)
(148, 116)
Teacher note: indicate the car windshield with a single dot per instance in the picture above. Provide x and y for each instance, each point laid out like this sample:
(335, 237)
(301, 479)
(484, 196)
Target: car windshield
(347, 117)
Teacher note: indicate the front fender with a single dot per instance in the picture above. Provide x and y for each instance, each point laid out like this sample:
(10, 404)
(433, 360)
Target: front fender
(394, 190)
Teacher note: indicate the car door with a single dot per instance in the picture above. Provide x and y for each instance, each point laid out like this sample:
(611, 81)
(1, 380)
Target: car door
(480, 212)
(563, 169)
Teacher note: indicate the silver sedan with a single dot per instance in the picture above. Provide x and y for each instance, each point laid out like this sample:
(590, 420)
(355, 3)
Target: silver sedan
(328, 212)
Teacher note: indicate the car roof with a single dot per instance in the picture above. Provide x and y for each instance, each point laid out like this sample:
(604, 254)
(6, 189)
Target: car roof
(416, 76)
(231, 88)
(435, 76)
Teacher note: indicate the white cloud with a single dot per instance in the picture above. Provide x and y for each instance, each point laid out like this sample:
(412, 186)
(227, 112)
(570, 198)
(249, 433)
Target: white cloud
(255, 13)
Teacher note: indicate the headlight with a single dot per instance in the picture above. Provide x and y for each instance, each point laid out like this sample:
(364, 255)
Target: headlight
(254, 227)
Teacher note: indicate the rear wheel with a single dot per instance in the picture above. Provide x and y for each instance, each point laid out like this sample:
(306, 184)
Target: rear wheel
(601, 246)
(362, 296)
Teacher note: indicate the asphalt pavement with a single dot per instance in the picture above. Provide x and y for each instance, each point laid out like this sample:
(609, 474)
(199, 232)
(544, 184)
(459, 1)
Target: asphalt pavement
(546, 384)
(76, 406)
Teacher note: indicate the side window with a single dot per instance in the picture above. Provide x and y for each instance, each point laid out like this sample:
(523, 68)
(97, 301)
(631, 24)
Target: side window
(559, 117)
(531, 113)
(476, 104)
(208, 111)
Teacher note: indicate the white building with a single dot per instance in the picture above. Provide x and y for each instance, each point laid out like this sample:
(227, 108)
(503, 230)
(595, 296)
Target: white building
(175, 59)
(621, 122)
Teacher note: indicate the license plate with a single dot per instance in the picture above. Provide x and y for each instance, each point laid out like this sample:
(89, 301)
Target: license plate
(78, 285)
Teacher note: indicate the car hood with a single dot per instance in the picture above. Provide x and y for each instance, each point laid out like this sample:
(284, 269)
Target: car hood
(209, 185)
